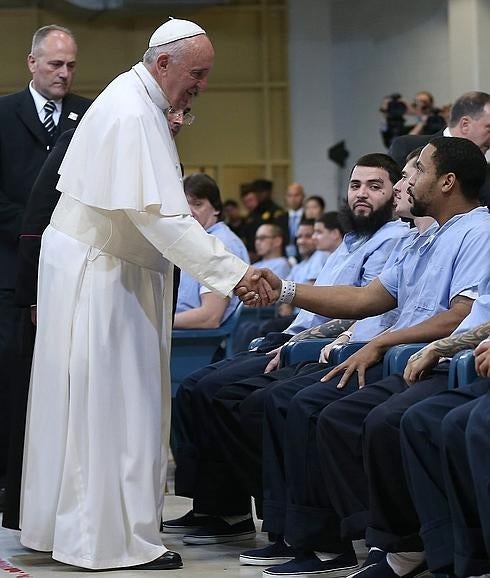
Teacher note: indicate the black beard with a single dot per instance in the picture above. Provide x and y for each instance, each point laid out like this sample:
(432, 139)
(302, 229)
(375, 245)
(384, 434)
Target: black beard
(368, 225)
(418, 209)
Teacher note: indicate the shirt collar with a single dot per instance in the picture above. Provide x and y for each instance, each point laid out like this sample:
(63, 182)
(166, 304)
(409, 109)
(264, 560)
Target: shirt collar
(154, 91)
(447, 132)
(214, 227)
(40, 100)
(432, 237)
(353, 241)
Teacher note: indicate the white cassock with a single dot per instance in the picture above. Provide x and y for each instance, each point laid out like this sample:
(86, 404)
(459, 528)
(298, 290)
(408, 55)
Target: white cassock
(99, 409)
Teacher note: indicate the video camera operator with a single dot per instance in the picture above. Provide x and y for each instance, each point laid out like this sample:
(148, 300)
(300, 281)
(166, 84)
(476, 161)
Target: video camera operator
(394, 109)
(429, 118)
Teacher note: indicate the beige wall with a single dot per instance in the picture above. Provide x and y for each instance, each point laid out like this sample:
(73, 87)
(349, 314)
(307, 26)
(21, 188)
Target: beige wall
(242, 126)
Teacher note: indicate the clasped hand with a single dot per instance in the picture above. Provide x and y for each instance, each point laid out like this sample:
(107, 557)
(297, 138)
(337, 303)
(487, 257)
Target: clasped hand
(258, 287)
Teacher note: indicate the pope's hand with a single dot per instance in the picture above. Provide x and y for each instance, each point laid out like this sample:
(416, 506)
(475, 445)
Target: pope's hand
(258, 287)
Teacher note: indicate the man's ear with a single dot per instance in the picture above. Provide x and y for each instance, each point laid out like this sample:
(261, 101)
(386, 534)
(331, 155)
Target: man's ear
(31, 63)
(464, 124)
(449, 180)
(162, 62)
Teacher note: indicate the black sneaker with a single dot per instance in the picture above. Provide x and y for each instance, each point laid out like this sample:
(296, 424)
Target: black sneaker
(275, 553)
(374, 556)
(217, 531)
(383, 570)
(309, 564)
(187, 523)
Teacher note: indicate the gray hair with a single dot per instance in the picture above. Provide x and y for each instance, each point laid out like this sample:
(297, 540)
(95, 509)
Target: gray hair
(469, 104)
(42, 33)
(174, 49)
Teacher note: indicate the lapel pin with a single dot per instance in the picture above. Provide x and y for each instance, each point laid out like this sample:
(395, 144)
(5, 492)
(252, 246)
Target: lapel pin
(73, 116)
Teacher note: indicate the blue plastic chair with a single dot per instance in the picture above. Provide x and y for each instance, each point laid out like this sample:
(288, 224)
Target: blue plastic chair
(194, 348)
(395, 359)
(462, 368)
(297, 351)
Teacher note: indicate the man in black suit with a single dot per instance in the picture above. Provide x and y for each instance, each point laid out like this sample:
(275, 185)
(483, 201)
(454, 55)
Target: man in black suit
(30, 123)
(469, 118)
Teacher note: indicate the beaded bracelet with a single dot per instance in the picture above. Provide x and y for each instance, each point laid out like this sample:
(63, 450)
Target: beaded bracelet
(288, 291)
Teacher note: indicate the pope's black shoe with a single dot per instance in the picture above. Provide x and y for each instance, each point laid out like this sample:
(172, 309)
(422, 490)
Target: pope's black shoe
(168, 561)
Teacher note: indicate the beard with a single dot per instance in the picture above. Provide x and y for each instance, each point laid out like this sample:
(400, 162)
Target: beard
(419, 208)
(365, 225)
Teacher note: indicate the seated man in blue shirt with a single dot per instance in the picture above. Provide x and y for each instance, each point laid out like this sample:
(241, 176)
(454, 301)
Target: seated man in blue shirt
(445, 468)
(269, 247)
(434, 298)
(197, 307)
(357, 261)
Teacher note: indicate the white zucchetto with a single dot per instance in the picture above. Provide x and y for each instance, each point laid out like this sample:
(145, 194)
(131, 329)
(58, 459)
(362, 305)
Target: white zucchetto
(174, 29)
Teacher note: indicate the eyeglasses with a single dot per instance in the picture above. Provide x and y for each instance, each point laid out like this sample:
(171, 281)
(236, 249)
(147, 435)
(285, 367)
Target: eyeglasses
(264, 237)
(187, 117)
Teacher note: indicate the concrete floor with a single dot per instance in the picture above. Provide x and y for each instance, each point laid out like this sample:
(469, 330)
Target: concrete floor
(199, 561)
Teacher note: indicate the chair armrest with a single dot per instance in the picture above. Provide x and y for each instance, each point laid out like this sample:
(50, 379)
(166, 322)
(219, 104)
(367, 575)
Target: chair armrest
(255, 343)
(340, 353)
(462, 368)
(395, 359)
(199, 333)
(294, 352)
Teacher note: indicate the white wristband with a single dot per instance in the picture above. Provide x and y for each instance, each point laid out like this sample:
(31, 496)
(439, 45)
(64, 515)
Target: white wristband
(288, 291)
(348, 334)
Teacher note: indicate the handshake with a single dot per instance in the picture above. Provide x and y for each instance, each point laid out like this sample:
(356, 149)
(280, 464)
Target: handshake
(261, 287)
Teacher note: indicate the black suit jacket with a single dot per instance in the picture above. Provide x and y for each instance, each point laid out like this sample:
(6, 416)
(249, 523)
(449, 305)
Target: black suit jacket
(37, 215)
(402, 145)
(24, 146)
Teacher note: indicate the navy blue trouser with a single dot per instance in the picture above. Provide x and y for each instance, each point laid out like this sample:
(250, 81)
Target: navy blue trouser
(10, 322)
(478, 448)
(202, 473)
(296, 499)
(359, 447)
(439, 478)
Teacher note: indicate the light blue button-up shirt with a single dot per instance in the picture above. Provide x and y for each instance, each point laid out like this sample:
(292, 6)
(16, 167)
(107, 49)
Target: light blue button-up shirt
(314, 265)
(357, 261)
(307, 271)
(190, 290)
(406, 249)
(480, 311)
(453, 260)
(278, 265)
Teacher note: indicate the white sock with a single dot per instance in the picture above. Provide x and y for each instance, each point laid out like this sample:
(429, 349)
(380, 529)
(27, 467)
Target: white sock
(235, 519)
(324, 556)
(404, 562)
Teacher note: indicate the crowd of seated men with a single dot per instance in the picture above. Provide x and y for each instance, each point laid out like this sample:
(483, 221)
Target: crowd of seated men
(333, 454)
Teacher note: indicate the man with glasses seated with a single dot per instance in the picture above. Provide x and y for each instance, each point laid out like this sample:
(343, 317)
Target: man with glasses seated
(177, 118)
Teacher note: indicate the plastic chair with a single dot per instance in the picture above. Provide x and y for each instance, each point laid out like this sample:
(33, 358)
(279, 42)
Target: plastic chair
(462, 368)
(194, 348)
(297, 351)
(395, 359)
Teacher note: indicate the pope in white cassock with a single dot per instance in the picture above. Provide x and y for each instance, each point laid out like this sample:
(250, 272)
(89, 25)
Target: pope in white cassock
(99, 410)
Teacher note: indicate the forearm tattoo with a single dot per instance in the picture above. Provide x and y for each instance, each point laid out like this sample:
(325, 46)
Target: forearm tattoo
(331, 328)
(448, 346)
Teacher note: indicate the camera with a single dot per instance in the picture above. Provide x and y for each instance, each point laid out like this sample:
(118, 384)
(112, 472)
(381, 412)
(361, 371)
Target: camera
(394, 109)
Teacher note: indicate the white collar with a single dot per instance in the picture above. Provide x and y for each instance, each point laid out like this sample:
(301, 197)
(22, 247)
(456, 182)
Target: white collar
(40, 100)
(154, 91)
